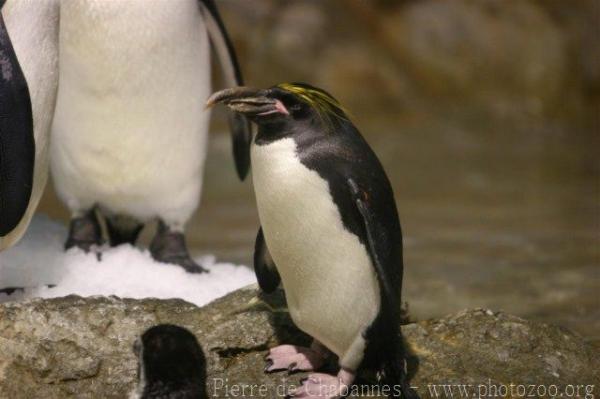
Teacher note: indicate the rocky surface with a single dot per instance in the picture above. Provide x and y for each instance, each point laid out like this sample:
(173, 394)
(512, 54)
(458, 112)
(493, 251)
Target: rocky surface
(76, 347)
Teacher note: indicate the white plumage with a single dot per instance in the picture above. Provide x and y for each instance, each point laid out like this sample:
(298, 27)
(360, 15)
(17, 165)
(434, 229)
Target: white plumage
(130, 128)
(330, 284)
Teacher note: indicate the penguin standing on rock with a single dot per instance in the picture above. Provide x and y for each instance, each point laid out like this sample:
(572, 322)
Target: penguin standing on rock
(129, 136)
(330, 232)
(28, 84)
(171, 364)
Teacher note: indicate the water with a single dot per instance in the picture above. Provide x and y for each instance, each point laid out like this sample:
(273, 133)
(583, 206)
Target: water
(502, 215)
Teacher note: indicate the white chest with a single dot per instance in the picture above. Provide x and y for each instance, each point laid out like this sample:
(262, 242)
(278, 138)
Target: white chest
(330, 284)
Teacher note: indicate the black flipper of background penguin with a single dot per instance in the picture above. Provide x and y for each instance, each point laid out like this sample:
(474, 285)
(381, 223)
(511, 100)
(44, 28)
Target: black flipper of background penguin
(241, 131)
(17, 144)
(264, 267)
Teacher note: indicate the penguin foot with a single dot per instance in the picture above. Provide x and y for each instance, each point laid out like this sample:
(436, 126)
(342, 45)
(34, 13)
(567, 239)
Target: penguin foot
(169, 246)
(325, 386)
(84, 232)
(293, 358)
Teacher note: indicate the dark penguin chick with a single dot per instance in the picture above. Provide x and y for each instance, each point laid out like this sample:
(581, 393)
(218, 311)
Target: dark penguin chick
(329, 232)
(171, 364)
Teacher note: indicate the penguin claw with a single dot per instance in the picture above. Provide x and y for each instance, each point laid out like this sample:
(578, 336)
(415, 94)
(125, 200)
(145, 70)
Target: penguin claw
(192, 267)
(293, 368)
(169, 246)
(268, 366)
(186, 263)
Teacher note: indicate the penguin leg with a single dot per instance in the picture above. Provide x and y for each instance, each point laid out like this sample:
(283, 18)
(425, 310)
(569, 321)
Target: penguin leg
(168, 246)
(296, 358)
(122, 230)
(84, 231)
(319, 385)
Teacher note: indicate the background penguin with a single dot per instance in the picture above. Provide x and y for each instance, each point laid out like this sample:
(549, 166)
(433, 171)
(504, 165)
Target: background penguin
(171, 364)
(129, 133)
(330, 229)
(28, 83)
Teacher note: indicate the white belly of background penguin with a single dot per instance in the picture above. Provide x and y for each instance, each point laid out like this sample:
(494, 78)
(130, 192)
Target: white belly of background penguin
(130, 130)
(129, 133)
(330, 233)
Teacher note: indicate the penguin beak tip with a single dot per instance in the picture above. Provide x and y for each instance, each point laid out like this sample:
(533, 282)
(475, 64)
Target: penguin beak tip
(211, 101)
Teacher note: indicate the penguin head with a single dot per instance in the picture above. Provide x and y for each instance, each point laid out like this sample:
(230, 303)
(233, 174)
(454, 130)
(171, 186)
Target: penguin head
(285, 103)
(170, 359)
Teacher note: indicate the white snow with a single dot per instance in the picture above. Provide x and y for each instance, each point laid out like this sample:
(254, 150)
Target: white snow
(125, 271)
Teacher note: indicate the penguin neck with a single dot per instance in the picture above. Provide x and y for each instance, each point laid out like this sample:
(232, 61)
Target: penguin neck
(271, 131)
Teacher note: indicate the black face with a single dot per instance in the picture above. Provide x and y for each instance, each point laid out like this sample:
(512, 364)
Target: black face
(265, 106)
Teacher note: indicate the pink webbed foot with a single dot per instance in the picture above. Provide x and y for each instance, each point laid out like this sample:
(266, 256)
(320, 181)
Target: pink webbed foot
(325, 386)
(294, 358)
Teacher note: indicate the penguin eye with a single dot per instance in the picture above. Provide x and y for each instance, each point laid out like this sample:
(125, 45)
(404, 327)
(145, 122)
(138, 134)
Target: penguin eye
(296, 107)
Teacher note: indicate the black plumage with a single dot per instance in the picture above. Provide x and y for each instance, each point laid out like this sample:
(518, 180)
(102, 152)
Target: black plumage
(17, 144)
(172, 364)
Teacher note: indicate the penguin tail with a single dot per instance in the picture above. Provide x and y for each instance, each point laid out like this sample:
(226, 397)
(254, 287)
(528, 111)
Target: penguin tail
(393, 376)
(389, 357)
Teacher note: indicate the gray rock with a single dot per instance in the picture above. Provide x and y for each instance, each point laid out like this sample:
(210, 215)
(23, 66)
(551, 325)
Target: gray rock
(76, 347)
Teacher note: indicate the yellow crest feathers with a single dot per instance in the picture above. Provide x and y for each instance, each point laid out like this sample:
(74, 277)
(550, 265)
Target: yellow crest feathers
(325, 105)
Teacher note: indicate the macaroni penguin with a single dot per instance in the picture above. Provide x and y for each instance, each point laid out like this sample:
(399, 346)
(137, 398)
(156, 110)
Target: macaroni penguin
(330, 232)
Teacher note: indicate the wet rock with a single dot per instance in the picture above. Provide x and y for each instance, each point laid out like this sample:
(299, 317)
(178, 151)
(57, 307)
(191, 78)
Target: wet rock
(81, 348)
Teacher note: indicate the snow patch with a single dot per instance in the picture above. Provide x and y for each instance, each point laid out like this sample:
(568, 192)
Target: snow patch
(39, 260)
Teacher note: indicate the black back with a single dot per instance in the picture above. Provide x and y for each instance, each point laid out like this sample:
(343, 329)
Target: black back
(17, 144)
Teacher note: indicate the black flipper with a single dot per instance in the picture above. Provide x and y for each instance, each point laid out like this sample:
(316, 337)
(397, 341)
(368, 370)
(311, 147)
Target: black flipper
(264, 267)
(392, 354)
(17, 144)
(372, 232)
(241, 131)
